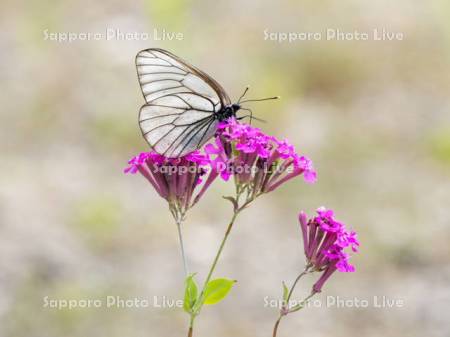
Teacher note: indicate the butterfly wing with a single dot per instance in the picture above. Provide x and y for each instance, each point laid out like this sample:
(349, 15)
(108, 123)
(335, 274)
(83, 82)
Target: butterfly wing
(179, 116)
(177, 124)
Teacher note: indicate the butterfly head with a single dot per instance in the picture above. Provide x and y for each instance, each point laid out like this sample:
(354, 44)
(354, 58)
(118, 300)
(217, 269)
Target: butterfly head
(235, 107)
(228, 111)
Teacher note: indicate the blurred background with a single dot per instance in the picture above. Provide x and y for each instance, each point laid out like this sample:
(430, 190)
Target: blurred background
(373, 115)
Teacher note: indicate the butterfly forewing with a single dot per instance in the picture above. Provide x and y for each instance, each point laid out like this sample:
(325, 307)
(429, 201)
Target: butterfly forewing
(179, 116)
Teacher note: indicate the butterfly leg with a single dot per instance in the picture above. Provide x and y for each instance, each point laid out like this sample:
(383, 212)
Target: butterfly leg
(250, 116)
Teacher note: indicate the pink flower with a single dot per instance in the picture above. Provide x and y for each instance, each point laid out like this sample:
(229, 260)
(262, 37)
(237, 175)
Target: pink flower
(259, 162)
(178, 180)
(221, 160)
(324, 241)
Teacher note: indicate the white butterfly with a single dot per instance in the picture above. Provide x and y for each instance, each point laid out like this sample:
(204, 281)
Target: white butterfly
(184, 104)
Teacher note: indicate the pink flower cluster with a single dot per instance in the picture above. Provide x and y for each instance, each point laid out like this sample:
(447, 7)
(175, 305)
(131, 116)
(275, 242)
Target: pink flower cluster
(324, 240)
(175, 179)
(254, 158)
(259, 164)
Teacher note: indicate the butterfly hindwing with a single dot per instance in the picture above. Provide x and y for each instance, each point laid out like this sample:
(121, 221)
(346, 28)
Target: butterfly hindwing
(177, 124)
(182, 101)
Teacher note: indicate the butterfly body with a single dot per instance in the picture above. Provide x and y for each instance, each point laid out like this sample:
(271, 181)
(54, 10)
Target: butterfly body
(228, 111)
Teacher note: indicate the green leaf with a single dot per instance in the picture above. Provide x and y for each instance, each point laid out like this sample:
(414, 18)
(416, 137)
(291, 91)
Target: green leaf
(233, 201)
(285, 292)
(217, 290)
(190, 293)
(296, 308)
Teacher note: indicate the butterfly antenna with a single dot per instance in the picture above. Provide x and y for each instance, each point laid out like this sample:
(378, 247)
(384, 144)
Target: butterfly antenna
(261, 99)
(242, 96)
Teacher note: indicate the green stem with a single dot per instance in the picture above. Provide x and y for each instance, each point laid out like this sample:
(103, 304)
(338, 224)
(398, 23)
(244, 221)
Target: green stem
(199, 305)
(295, 284)
(302, 304)
(199, 302)
(275, 328)
(219, 252)
(183, 254)
(191, 326)
(286, 310)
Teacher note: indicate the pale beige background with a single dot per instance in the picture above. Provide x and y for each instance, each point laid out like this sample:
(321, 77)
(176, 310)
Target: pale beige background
(374, 117)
